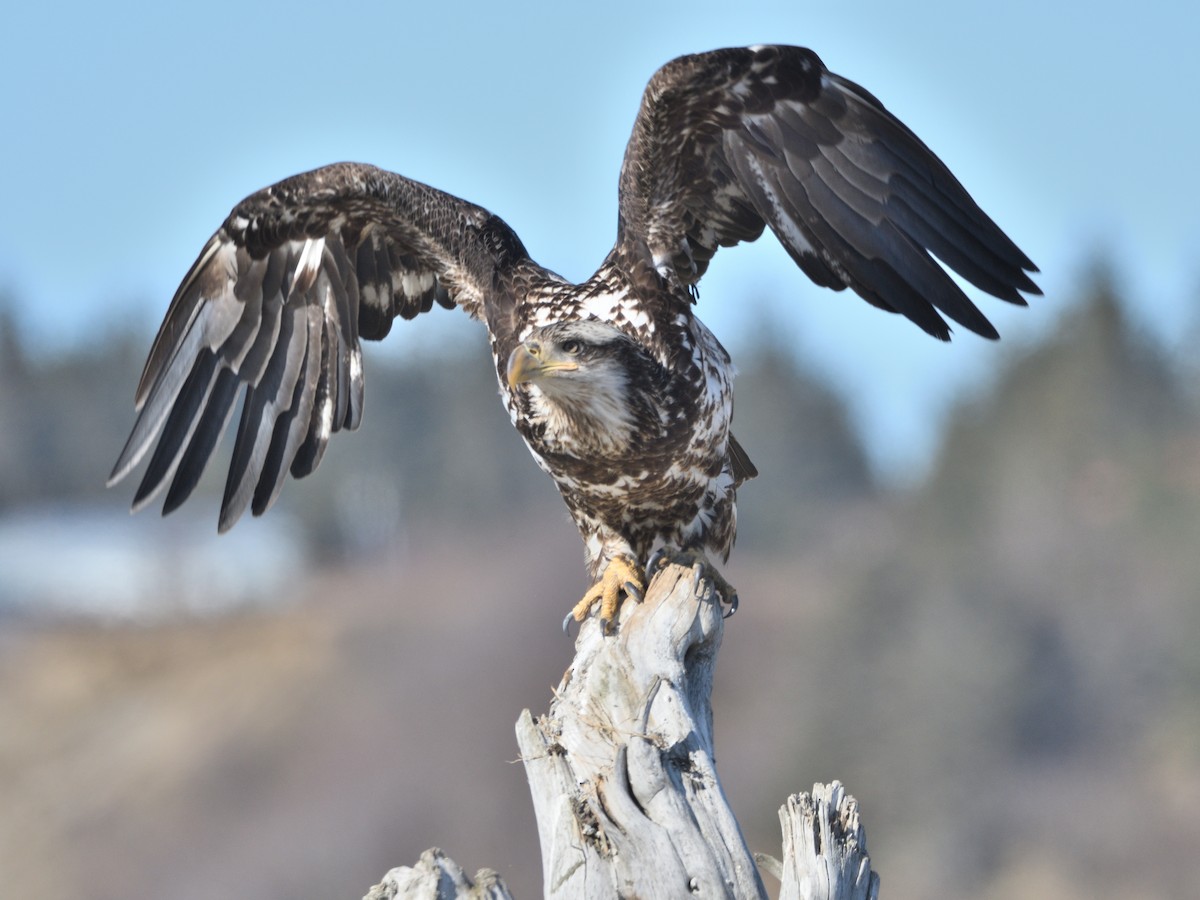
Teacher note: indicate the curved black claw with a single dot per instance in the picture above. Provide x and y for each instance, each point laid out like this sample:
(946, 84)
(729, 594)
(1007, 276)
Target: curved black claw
(570, 617)
(733, 606)
(655, 559)
(633, 592)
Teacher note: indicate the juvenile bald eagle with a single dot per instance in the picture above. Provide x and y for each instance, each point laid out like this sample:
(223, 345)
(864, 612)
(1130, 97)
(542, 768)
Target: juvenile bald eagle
(623, 395)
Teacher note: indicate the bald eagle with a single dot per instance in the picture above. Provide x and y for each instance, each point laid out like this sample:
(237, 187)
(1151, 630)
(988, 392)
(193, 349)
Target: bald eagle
(622, 394)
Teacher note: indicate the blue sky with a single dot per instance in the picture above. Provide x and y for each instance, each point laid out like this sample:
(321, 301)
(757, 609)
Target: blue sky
(132, 128)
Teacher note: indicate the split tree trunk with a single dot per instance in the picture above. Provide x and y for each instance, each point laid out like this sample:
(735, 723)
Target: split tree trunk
(624, 785)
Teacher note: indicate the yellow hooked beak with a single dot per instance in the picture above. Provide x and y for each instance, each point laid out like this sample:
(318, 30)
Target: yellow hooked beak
(533, 360)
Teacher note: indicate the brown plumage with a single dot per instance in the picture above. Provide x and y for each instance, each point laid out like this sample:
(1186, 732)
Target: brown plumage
(632, 420)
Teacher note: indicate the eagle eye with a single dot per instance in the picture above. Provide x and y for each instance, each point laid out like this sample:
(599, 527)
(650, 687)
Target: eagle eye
(572, 347)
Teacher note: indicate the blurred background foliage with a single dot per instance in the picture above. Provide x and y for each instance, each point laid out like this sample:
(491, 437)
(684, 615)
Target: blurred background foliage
(1000, 659)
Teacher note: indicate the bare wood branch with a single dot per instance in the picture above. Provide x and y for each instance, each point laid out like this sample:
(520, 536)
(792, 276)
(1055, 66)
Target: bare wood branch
(825, 848)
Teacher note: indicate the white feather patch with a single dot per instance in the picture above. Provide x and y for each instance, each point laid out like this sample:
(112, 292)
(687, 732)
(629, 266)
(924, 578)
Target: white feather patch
(308, 265)
(781, 219)
(414, 284)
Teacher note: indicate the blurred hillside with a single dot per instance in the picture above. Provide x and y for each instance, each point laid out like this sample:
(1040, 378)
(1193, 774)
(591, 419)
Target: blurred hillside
(1002, 663)
(59, 416)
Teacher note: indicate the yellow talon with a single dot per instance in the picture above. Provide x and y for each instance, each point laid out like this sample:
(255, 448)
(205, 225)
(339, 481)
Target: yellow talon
(621, 575)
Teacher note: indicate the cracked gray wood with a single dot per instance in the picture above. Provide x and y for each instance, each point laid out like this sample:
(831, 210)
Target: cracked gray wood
(825, 847)
(437, 877)
(621, 769)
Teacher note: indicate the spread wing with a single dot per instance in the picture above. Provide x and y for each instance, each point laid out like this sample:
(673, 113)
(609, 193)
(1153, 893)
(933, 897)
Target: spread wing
(276, 304)
(729, 141)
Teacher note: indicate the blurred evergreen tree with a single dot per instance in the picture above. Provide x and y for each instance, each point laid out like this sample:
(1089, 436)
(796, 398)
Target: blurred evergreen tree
(1058, 527)
(809, 458)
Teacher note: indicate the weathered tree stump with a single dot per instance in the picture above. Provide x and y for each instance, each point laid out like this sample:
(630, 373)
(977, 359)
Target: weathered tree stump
(824, 848)
(624, 785)
(437, 877)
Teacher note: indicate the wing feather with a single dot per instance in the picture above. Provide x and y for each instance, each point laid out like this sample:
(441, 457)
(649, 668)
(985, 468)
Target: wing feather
(729, 141)
(293, 421)
(261, 412)
(273, 311)
(211, 426)
(326, 409)
(180, 423)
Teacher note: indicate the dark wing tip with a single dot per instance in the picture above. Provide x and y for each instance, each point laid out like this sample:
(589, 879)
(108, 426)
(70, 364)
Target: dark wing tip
(276, 302)
(855, 197)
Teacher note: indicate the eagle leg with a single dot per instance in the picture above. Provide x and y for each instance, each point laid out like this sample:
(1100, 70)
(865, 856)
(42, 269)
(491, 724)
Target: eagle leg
(703, 569)
(621, 575)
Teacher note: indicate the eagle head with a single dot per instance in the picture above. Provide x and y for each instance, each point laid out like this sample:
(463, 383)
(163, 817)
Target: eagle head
(593, 386)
